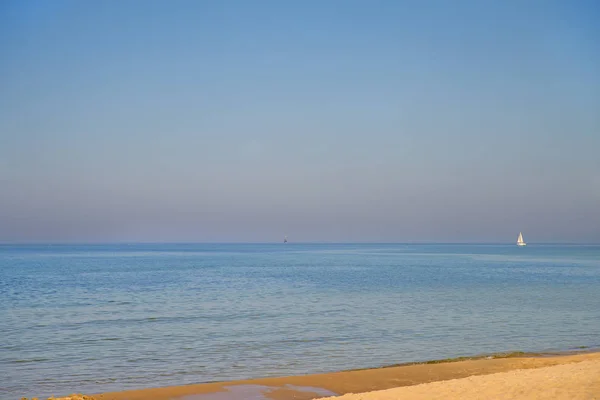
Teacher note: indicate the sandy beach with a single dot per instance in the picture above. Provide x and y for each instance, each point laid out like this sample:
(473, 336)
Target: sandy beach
(576, 381)
(536, 377)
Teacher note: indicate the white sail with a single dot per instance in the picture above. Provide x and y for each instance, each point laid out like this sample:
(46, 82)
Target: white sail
(520, 241)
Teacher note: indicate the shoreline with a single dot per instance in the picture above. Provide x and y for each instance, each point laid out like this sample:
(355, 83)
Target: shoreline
(487, 356)
(313, 386)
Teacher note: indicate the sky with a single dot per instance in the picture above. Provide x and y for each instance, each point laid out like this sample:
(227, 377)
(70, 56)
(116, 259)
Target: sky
(327, 121)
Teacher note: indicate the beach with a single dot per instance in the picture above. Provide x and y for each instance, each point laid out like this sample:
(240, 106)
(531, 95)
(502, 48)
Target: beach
(573, 381)
(575, 376)
(299, 200)
(113, 318)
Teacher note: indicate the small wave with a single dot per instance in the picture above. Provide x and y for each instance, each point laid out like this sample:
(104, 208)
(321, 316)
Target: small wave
(30, 360)
(105, 380)
(301, 340)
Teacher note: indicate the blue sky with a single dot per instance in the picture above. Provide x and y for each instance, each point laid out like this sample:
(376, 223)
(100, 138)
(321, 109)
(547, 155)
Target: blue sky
(327, 120)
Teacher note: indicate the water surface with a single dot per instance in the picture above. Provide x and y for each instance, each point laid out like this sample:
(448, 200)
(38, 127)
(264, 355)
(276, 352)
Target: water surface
(95, 318)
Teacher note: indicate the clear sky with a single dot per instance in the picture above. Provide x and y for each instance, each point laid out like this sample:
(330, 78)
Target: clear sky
(325, 120)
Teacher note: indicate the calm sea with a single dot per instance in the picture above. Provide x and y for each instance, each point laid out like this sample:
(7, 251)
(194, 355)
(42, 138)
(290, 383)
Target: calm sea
(113, 317)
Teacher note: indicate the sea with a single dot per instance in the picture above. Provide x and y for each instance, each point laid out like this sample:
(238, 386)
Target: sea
(98, 318)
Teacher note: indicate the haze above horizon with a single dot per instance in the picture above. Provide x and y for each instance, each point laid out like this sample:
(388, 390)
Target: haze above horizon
(336, 121)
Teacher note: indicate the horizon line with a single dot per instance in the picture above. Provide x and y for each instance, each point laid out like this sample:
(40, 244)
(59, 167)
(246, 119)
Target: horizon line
(44, 243)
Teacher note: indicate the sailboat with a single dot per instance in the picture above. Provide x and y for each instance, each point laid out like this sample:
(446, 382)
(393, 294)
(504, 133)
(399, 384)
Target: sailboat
(520, 241)
(285, 239)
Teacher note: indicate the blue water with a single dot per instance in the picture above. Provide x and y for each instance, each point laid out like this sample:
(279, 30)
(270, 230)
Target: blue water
(113, 317)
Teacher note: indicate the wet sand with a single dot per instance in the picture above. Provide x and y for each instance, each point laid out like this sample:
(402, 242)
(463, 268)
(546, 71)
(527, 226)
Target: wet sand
(575, 381)
(579, 368)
